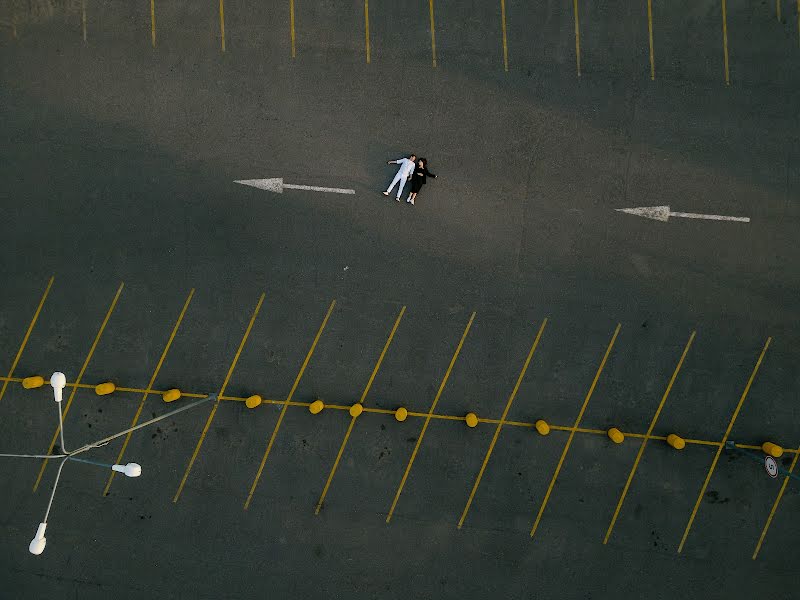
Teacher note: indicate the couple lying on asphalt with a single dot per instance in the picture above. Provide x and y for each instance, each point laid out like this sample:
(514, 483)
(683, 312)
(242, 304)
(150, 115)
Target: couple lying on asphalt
(413, 169)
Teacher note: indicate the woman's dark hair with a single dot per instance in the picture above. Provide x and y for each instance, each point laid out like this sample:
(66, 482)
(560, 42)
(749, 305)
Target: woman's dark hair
(424, 162)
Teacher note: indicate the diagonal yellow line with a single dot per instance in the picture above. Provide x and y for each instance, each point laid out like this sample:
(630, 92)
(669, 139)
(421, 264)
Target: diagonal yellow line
(216, 404)
(291, 27)
(78, 380)
(366, 29)
(505, 42)
(572, 431)
(647, 437)
(149, 388)
(775, 505)
(501, 423)
(27, 336)
(433, 32)
(153, 22)
(361, 401)
(722, 444)
(428, 417)
(286, 404)
(222, 23)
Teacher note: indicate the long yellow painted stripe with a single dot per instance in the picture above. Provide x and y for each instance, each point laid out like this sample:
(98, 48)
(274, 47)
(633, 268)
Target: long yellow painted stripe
(505, 41)
(725, 41)
(286, 404)
(222, 22)
(291, 27)
(647, 436)
(572, 432)
(153, 22)
(577, 37)
(501, 422)
(428, 417)
(149, 388)
(216, 404)
(778, 10)
(433, 32)
(722, 444)
(27, 336)
(366, 28)
(650, 35)
(78, 380)
(361, 401)
(775, 505)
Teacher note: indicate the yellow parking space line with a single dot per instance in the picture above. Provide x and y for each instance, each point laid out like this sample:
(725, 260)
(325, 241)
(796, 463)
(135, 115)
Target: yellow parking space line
(643, 445)
(429, 415)
(577, 37)
(149, 386)
(775, 504)
(78, 380)
(361, 401)
(572, 433)
(83, 18)
(505, 42)
(519, 424)
(222, 23)
(288, 402)
(216, 404)
(778, 10)
(291, 27)
(433, 32)
(703, 442)
(650, 36)
(26, 337)
(501, 423)
(725, 41)
(366, 29)
(722, 443)
(153, 22)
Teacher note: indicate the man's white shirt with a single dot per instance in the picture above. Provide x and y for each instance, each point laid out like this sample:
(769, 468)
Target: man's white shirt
(406, 166)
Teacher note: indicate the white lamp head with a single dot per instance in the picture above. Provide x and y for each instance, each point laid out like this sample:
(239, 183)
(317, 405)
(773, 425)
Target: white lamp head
(39, 541)
(58, 381)
(131, 469)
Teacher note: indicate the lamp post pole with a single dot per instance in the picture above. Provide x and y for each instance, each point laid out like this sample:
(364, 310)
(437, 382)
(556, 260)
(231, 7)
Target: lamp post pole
(58, 382)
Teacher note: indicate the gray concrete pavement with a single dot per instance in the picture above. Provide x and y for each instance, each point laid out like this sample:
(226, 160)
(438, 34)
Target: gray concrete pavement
(118, 161)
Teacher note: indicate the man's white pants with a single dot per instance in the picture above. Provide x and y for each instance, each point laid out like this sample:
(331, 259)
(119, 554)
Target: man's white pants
(401, 178)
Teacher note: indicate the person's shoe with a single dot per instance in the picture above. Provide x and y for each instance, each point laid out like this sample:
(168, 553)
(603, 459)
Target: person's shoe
(412, 202)
(408, 200)
(398, 198)
(385, 193)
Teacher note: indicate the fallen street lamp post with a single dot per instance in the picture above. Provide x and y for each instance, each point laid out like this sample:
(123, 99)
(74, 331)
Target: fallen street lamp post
(58, 381)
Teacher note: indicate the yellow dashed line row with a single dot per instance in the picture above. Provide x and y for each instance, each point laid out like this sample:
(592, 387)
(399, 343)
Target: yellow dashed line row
(434, 416)
(432, 27)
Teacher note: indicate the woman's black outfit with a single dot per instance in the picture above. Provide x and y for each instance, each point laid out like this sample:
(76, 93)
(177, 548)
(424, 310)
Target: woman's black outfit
(419, 177)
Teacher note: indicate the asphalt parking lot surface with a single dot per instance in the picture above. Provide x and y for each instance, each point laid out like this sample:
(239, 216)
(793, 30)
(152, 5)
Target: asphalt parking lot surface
(513, 291)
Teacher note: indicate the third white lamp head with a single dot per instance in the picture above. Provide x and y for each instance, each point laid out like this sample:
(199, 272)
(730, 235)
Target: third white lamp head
(131, 469)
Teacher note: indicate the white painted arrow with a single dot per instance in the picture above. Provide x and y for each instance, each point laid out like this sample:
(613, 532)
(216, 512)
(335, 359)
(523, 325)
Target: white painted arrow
(277, 185)
(663, 213)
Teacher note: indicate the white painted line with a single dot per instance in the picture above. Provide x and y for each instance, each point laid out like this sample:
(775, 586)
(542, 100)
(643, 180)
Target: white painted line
(709, 217)
(663, 213)
(276, 185)
(314, 188)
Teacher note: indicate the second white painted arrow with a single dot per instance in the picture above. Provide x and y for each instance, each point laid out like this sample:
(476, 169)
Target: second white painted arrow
(277, 185)
(663, 213)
